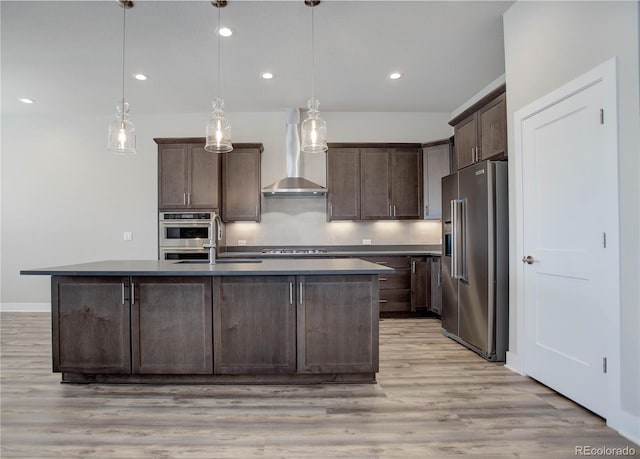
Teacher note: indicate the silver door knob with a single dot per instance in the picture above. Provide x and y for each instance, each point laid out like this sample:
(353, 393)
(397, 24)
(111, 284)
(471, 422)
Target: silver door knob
(528, 259)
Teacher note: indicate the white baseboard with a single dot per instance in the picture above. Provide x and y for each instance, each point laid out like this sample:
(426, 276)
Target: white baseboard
(627, 425)
(25, 307)
(513, 363)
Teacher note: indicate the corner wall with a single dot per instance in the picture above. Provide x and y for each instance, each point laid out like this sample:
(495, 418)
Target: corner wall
(548, 44)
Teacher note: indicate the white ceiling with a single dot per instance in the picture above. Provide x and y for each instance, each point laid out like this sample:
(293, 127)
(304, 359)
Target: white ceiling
(67, 55)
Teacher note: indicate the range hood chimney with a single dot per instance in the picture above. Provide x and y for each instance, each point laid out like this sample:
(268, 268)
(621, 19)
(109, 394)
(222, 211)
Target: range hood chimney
(293, 184)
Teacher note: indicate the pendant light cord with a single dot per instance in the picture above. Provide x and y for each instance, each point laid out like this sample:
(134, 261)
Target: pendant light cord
(124, 28)
(313, 55)
(218, 56)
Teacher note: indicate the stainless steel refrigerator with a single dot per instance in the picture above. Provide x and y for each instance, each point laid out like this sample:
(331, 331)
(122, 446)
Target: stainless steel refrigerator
(475, 258)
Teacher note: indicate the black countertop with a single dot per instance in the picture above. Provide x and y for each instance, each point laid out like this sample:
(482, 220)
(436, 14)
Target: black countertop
(285, 266)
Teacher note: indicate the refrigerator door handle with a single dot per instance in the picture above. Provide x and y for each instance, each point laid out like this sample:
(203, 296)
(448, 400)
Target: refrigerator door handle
(462, 237)
(454, 240)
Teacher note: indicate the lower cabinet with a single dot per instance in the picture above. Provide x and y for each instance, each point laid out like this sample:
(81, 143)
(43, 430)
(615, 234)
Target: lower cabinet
(420, 268)
(395, 288)
(201, 329)
(254, 325)
(337, 324)
(171, 328)
(90, 325)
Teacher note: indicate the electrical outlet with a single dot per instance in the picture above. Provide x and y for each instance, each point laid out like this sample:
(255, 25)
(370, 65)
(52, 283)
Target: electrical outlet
(366, 242)
(242, 242)
(127, 236)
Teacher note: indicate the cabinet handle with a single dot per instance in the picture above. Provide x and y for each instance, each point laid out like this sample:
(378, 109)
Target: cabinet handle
(256, 211)
(290, 292)
(123, 293)
(382, 279)
(390, 214)
(382, 262)
(330, 210)
(394, 210)
(413, 267)
(133, 293)
(184, 199)
(301, 294)
(188, 199)
(383, 301)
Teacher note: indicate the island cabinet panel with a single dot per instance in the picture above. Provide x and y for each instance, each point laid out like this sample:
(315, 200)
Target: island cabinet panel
(171, 325)
(254, 325)
(90, 325)
(337, 324)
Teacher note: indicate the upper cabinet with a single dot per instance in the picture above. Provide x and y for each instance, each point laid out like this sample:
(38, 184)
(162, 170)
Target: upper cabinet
(241, 183)
(188, 175)
(374, 182)
(480, 131)
(437, 164)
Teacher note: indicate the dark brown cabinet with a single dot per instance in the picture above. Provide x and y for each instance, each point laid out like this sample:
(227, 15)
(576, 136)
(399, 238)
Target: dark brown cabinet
(171, 328)
(420, 286)
(480, 132)
(90, 325)
(328, 308)
(374, 182)
(343, 183)
(395, 288)
(241, 183)
(254, 337)
(188, 175)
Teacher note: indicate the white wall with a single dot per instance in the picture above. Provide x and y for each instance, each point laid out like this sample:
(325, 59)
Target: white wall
(66, 200)
(548, 44)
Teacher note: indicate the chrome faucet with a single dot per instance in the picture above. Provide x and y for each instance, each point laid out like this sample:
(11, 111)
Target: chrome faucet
(215, 223)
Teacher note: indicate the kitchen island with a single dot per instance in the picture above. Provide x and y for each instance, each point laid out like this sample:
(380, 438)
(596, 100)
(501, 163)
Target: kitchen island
(239, 321)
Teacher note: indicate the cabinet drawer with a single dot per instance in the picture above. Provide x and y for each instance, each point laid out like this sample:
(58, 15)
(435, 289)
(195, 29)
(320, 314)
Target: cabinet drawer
(391, 262)
(395, 281)
(395, 300)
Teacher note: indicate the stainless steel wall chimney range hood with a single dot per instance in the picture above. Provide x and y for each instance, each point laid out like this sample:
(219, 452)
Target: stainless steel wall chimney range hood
(293, 184)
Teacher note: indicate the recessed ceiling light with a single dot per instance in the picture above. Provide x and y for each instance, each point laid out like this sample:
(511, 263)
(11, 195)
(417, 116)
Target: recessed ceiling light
(266, 75)
(25, 100)
(140, 76)
(225, 32)
(395, 76)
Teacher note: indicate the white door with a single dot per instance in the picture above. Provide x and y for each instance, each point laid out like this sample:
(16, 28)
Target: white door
(566, 279)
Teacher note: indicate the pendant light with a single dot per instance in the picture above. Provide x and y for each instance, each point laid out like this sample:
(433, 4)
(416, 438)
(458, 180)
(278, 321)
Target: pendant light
(218, 127)
(314, 128)
(122, 132)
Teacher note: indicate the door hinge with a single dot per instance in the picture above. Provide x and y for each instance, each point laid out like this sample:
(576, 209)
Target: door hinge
(602, 116)
(604, 240)
(604, 364)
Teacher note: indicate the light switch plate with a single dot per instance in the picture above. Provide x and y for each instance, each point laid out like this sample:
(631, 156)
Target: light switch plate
(242, 242)
(127, 236)
(366, 242)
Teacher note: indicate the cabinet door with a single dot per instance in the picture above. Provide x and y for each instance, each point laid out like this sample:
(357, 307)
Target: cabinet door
(328, 308)
(241, 185)
(173, 171)
(255, 325)
(171, 327)
(90, 325)
(437, 161)
(343, 183)
(375, 176)
(436, 286)
(419, 283)
(492, 129)
(406, 184)
(466, 140)
(204, 179)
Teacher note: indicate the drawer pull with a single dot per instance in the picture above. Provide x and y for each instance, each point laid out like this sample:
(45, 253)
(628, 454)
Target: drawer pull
(384, 279)
(383, 301)
(382, 262)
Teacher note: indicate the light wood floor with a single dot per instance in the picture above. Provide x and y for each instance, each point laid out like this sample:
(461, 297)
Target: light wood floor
(433, 399)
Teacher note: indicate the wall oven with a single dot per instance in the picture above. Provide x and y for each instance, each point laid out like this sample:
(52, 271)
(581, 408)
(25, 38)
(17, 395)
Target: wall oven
(182, 235)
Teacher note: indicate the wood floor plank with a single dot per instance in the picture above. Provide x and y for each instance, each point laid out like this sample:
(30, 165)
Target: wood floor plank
(433, 399)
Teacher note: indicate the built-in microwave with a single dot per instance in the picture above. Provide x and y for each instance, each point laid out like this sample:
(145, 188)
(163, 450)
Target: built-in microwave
(185, 229)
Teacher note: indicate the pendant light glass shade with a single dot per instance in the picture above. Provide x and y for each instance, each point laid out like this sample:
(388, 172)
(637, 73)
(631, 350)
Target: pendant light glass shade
(313, 130)
(122, 132)
(218, 130)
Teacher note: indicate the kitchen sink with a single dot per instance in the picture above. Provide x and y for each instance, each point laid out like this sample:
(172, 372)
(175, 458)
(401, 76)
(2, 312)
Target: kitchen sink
(201, 262)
